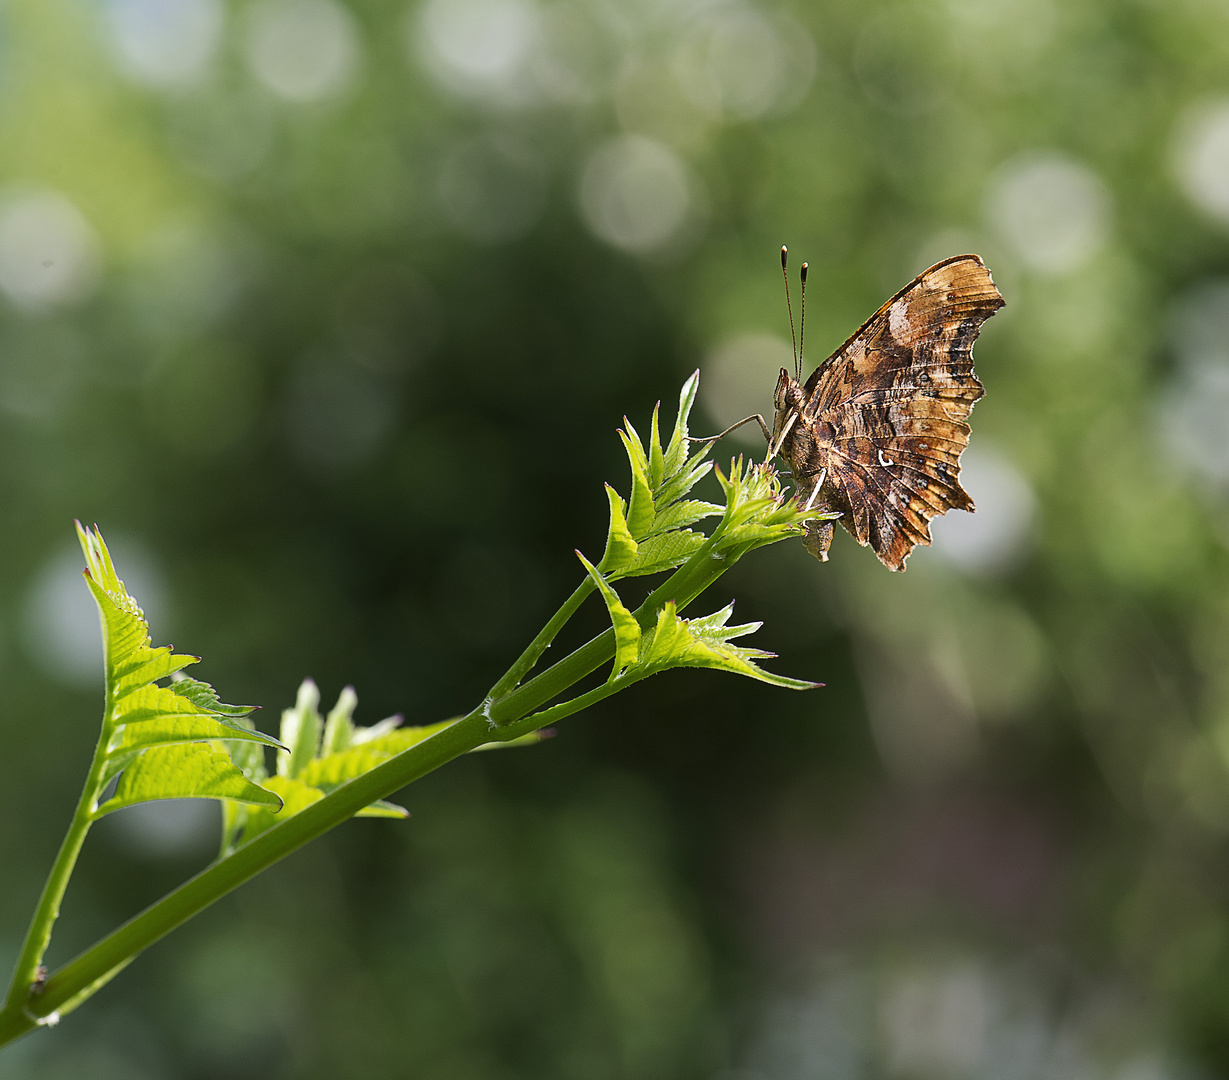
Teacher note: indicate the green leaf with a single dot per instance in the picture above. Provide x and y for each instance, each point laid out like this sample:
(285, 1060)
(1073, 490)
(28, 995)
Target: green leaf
(339, 725)
(332, 771)
(626, 628)
(620, 545)
(657, 460)
(384, 809)
(166, 731)
(676, 452)
(365, 748)
(154, 736)
(301, 730)
(249, 757)
(191, 771)
(386, 726)
(687, 512)
(294, 795)
(662, 552)
(757, 512)
(640, 511)
(680, 483)
(202, 695)
(143, 704)
(705, 642)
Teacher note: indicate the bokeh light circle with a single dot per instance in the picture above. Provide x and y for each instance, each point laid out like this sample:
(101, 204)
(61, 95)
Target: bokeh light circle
(49, 254)
(1052, 210)
(993, 539)
(164, 43)
(739, 63)
(475, 47)
(635, 193)
(1201, 157)
(303, 50)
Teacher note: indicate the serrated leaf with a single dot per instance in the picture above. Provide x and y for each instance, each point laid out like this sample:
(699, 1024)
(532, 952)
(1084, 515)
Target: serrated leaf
(295, 796)
(152, 735)
(167, 731)
(250, 759)
(151, 703)
(191, 771)
(705, 643)
(640, 511)
(339, 724)
(202, 695)
(301, 730)
(620, 545)
(379, 729)
(330, 772)
(666, 644)
(626, 628)
(681, 514)
(160, 664)
(680, 483)
(676, 452)
(662, 552)
(757, 512)
(657, 460)
(382, 808)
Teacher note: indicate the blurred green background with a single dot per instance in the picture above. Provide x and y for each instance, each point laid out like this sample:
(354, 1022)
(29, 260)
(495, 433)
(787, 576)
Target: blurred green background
(326, 312)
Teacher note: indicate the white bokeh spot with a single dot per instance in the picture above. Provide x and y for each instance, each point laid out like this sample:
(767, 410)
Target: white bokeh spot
(738, 378)
(1194, 411)
(303, 50)
(1053, 211)
(49, 254)
(635, 194)
(476, 48)
(164, 43)
(1201, 157)
(993, 539)
(741, 64)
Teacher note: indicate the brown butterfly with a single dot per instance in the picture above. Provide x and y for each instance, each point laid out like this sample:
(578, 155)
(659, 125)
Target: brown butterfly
(876, 432)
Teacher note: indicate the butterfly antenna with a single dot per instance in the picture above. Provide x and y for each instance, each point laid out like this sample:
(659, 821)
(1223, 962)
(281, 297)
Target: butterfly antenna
(802, 321)
(784, 274)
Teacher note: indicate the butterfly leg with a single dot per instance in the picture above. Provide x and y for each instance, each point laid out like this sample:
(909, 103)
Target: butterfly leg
(734, 427)
(823, 475)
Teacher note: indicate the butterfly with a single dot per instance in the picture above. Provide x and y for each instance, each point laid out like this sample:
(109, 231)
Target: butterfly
(876, 432)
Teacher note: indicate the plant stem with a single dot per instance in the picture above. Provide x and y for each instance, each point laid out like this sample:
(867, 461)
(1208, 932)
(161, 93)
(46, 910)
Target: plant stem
(502, 717)
(525, 662)
(94, 966)
(38, 934)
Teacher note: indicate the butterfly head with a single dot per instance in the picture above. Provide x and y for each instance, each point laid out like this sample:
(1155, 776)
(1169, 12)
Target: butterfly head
(788, 394)
(787, 399)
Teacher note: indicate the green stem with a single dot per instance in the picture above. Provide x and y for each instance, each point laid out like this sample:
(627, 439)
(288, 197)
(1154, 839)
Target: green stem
(38, 934)
(509, 716)
(683, 586)
(525, 662)
(70, 984)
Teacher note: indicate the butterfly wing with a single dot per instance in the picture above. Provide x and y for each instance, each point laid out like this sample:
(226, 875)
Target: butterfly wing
(894, 401)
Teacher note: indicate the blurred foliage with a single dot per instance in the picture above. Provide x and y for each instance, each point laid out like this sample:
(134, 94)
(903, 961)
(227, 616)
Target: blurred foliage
(327, 312)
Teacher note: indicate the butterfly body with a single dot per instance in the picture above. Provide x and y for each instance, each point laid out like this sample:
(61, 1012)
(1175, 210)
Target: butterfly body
(876, 432)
